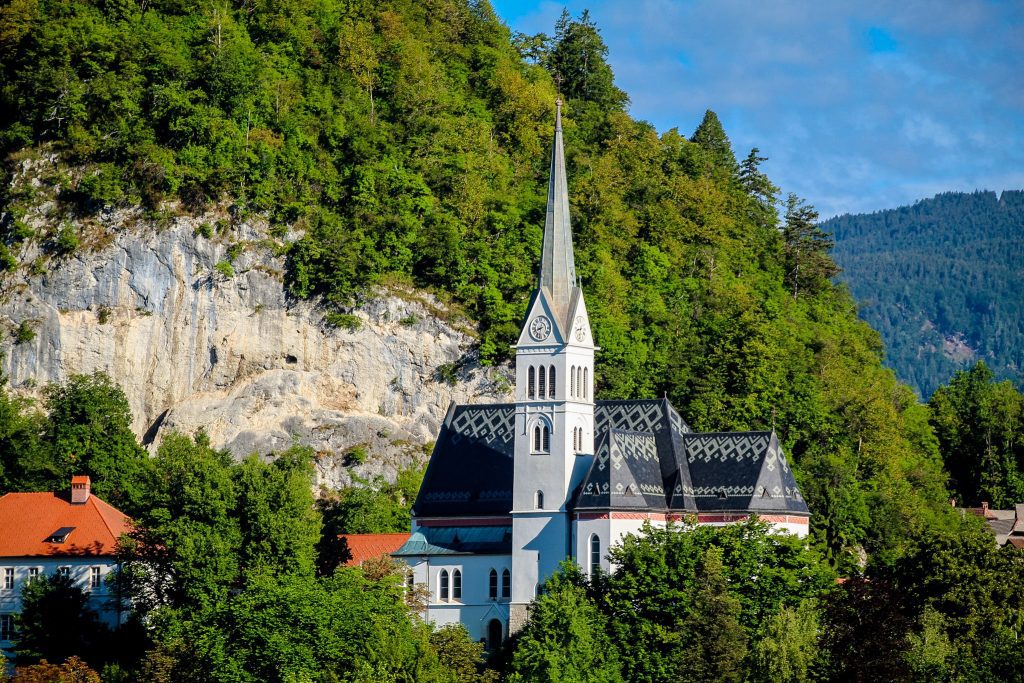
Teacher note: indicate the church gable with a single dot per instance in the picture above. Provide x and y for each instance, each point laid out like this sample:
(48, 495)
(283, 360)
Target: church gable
(533, 331)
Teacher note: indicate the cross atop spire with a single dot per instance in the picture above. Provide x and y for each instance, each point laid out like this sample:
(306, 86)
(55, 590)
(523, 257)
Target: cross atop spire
(557, 265)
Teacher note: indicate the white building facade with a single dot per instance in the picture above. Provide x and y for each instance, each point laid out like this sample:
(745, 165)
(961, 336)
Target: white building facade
(512, 490)
(43, 534)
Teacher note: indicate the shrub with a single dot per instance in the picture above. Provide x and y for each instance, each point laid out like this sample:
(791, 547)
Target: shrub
(25, 332)
(345, 321)
(225, 269)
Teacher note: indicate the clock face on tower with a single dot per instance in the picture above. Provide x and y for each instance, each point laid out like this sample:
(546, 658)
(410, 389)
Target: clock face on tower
(540, 328)
(581, 328)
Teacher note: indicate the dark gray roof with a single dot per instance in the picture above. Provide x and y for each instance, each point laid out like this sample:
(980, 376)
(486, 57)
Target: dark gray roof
(741, 471)
(646, 458)
(626, 473)
(470, 470)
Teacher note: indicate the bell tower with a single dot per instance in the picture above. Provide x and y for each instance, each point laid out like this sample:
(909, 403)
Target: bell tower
(554, 439)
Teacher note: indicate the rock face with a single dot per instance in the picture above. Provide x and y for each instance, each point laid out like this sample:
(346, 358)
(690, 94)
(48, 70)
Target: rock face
(198, 343)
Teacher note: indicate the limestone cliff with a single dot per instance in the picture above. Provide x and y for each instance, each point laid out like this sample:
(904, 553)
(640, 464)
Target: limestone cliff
(197, 342)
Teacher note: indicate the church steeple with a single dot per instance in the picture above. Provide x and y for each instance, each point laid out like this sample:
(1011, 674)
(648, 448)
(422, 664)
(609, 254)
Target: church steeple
(557, 266)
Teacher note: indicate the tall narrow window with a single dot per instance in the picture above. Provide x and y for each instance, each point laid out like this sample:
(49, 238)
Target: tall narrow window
(9, 578)
(7, 627)
(579, 382)
(443, 592)
(33, 573)
(529, 385)
(546, 434)
(551, 382)
(541, 376)
(492, 586)
(586, 382)
(94, 577)
(536, 439)
(572, 382)
(506, 584)
(456, 585)
(595, 554)
(539, 500)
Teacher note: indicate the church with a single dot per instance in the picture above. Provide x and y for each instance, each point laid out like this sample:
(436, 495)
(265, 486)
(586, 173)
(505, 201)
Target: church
(511, 490)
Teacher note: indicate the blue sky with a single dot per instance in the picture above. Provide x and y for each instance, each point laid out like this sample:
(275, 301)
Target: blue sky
(859, 105)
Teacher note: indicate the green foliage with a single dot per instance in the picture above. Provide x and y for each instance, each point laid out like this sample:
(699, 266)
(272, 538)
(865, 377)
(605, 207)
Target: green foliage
(980, 426)
(225, 269)
(565, 640)
(717, 643)
(89, 430)
(577, 57)
(950, 609)
(346, 321)
(56, 621)
(25, 333)
(808, 265)
(373, 507)
(788, 646)
(662, 583)
(941, 281)
(65, 242)
(460, 656)
(711, 137)
(276, 515)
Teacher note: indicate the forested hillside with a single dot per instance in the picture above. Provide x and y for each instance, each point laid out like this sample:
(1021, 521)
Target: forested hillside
(404, 141)
(941, 281)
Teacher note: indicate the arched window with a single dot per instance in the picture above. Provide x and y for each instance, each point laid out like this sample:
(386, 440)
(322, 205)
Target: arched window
(506, 584)
(539, 500)
(551, 382)
(579, 382)
(529, 385)
(541, 376)
(586, 382)
(546, 434)
(536, 439)
(572, 382)
(456, 585)
(443, 592)
(595, 554)
(492, 586)
(494, 634)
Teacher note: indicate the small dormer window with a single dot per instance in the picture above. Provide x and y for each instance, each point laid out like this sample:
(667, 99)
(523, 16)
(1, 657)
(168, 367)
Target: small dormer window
(60, 535)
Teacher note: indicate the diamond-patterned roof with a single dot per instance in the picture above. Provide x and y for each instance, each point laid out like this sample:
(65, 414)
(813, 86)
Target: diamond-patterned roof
(646, 457)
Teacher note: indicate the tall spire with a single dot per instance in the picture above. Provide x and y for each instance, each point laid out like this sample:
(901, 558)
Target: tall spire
(557, 266)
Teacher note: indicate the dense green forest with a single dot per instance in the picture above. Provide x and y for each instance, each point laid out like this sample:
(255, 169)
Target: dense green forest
(407, 142)
(941, 281)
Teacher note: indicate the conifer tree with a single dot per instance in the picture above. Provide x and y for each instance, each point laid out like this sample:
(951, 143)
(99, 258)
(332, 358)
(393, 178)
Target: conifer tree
(711, 136)
(578, 61)
(808, 264)
(719, 642)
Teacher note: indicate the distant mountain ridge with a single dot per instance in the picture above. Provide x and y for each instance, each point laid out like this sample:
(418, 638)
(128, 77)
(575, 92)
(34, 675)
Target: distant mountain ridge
(942, 281)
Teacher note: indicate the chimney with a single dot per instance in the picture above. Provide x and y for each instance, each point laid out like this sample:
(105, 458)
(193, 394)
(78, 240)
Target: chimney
(80, 486)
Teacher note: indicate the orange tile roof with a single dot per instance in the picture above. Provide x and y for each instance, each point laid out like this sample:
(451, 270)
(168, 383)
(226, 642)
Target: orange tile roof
(371, 546)
(28, 519)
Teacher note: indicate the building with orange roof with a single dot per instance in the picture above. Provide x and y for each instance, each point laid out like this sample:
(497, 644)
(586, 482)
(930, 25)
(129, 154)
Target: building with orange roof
(363, 547)
(70, 532)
